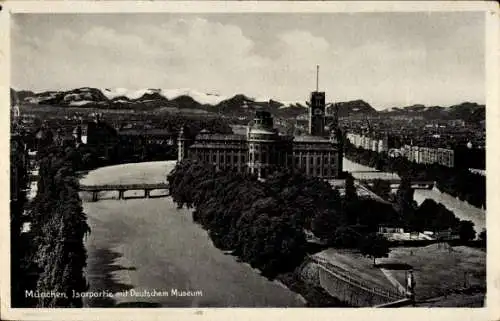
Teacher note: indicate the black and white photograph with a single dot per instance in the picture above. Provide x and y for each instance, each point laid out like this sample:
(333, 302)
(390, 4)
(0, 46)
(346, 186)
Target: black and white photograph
(247, 159)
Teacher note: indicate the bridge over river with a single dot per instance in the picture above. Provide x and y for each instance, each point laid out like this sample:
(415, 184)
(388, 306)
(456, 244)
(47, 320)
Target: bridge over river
(122, 188)
(150, 244)
(370, 176)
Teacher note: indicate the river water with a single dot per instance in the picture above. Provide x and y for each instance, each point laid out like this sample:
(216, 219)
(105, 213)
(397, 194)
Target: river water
(155, 252)
(140, 245)
(462, 210)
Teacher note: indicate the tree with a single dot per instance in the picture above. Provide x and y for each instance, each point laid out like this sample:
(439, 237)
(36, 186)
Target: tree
(271, 243)
(375, 246)
(444, 219)
(346, 237)
(58, 228)
(20, 242)
(382, 188)
(350, 190)
(350, 202)
(372, 213)
(262, 223)
(404, 197)
(482, 235)
(324, 225)
(466, 231)
(424, 215)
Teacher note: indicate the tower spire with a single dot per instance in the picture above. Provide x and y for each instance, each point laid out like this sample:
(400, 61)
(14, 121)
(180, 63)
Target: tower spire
(317, 77)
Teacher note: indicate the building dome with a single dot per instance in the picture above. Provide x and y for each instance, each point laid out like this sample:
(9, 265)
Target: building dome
(262, 139)
(261, 131)
(262, 128)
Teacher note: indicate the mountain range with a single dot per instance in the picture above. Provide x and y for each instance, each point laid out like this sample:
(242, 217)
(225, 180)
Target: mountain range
(237, 105)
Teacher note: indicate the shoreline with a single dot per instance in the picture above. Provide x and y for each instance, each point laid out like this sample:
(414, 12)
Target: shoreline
(143, 244)
(116, 259)
(462, 209)
(364, 167)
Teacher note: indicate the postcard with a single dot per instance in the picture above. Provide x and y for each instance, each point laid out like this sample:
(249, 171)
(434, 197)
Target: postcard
(278, 159)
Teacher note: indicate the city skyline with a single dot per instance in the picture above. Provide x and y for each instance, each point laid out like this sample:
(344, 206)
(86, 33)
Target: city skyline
(388, 60)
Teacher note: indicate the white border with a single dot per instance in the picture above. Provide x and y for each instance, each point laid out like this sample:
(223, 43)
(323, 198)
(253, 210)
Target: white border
(242, 6)
(491, 312)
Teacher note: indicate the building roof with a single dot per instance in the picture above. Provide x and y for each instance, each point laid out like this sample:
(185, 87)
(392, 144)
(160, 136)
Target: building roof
(231, 137)
(131, 132)
(262, 131)
(310, 139)
(159, 131)
(145, 132)
(219, 146)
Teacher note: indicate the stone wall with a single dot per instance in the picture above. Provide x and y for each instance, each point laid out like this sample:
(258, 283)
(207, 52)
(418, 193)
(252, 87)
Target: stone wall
(346, 289)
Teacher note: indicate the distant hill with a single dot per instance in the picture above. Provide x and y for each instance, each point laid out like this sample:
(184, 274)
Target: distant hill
(470, 112)
(237, 105)
(355, 107)
(467, 111)
(22, 94)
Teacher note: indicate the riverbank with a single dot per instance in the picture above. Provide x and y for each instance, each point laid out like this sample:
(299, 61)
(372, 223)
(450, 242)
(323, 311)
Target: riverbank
(462, 210)
(148, 245)
(154, 252)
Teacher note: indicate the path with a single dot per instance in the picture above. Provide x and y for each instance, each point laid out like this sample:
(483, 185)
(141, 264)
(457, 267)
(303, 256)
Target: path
(393, 281)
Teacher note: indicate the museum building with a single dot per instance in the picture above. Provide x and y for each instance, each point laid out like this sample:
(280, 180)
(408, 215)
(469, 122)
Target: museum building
(263, 149)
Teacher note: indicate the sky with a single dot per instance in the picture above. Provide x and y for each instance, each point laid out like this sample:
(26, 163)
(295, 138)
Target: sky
(386, 59)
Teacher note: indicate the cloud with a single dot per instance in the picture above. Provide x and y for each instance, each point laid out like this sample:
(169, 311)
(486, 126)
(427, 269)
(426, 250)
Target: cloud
(212, 56)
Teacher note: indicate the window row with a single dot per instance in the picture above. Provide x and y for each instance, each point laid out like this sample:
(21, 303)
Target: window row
(270, 158)
(322, 171)
(260, 147)
(223, 158)
(314, 160)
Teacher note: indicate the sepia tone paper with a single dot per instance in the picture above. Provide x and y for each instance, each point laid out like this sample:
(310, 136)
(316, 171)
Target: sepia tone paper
(123, 12)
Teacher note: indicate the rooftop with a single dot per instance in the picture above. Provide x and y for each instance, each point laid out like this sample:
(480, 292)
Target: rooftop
(234, 144)
(263, 131)
(310, 139)
(139, 132)
(220, 137)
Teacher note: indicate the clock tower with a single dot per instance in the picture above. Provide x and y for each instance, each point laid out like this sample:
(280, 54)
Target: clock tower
(317, 111)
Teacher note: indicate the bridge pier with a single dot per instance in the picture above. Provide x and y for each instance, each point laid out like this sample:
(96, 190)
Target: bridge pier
(94, 196)
(147, 193)
(121, 195)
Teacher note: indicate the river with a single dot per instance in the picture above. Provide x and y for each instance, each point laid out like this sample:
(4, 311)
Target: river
(462, 210)
(150, 245)
(140, 245)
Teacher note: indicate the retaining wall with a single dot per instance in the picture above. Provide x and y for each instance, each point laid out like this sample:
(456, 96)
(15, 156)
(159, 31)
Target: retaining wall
(345, 288)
